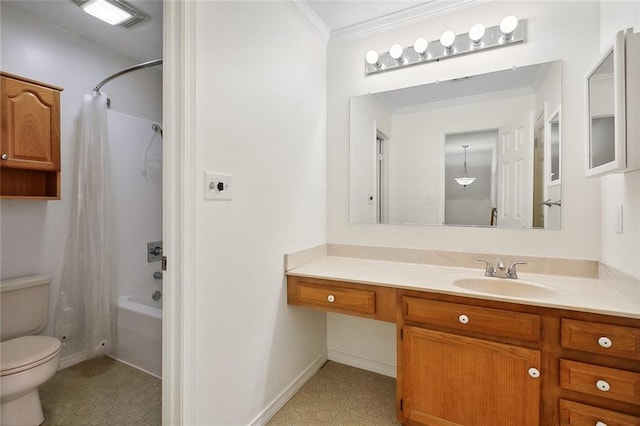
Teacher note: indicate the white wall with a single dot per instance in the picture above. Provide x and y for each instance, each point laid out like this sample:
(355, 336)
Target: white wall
(33, 233)
(550, 36)
(260, 116)
(621, 251)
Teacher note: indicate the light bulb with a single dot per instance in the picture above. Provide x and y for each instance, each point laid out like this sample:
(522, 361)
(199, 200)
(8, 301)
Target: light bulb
(420, 45)
(372, 58)
(476, 33)
(508, 24)
(396, 52)
(447, 38)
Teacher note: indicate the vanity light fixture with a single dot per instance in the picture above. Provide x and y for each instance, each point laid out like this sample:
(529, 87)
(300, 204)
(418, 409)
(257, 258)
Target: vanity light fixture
(420, 46)
(476, 33)
(396, 53)
(464, 180)
(479, 38)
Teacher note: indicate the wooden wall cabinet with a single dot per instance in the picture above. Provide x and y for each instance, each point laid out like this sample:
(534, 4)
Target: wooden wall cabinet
(29, 139)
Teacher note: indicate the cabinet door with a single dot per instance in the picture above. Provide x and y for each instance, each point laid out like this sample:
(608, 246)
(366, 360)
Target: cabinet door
(454, 380)
(30, 126)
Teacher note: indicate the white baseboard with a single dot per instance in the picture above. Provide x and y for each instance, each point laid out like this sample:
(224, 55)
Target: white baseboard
(72, 359)
(379, 367)
(135, 366)
(290, 390)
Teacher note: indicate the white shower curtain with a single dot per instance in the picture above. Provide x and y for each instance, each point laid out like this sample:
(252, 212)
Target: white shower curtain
(84, 317)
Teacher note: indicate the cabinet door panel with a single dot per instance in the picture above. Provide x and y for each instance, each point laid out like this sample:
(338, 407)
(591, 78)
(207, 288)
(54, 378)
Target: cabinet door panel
(30, 133)
(449, 379)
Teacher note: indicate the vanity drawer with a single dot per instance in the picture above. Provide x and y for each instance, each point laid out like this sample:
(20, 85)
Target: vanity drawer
(611, 383)
(336, 298)
(575, 414)
(487, 321)
(606, 339)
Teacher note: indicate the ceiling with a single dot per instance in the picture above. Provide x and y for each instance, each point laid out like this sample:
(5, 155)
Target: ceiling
(144, 42)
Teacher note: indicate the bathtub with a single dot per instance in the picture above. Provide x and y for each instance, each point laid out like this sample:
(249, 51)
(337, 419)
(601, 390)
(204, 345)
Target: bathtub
(139, 336)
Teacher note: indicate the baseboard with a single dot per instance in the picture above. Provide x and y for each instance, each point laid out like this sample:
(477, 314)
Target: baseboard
(379, 367)
(135, 366)
(290, 390)
(72, 359)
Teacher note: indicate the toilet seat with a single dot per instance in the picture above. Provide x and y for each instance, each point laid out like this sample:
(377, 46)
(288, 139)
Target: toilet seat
(24, 353)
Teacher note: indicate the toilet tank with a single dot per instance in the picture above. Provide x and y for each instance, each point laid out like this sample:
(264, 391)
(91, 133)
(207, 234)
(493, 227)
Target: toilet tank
(24, 305)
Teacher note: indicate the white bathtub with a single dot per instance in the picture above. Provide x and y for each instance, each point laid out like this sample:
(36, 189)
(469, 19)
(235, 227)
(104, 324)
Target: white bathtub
(139, 336)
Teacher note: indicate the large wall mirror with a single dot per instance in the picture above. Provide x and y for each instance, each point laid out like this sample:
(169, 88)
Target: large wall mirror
(483, 150)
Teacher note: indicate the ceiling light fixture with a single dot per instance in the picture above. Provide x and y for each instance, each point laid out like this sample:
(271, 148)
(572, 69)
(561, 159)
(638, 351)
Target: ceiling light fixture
(113, 12)
(464, 180)
(479, 38)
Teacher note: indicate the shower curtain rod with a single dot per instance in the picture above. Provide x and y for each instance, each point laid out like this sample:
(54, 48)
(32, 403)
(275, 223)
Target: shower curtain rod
(127, 70)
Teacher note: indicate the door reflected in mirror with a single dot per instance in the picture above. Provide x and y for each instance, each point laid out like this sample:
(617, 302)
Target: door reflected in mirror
(602, 114)
(406, 150)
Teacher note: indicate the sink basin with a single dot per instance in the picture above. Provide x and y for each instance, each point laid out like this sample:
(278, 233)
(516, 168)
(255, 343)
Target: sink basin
(505, 287)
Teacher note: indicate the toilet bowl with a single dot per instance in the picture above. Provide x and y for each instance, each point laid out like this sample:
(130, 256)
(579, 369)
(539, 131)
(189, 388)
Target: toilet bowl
(25, 363)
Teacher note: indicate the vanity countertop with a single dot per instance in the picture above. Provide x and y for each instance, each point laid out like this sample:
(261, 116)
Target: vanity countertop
(596, 295)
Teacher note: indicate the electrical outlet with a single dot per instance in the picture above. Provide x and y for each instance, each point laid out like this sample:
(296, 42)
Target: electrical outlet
(217, 186)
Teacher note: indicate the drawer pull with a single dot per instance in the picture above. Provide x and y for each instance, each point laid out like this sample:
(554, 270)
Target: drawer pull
(463, 319)
(534, 372)
(601, 424)
(603, 386)
(605, 342)
(331, 298)
(5, 156)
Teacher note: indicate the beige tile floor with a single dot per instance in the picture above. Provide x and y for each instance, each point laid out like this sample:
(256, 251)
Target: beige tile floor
(341, 395)
(102, 391)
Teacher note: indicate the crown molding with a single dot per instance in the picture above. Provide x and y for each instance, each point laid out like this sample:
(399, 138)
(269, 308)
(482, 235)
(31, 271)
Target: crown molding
(404, 17)
(306, 14)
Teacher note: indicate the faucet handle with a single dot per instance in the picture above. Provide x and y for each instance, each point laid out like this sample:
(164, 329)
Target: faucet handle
(488, 271)
(511, 273)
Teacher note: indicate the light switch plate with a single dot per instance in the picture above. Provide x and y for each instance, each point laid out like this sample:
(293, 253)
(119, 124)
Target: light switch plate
(217, 186)
(618, 218)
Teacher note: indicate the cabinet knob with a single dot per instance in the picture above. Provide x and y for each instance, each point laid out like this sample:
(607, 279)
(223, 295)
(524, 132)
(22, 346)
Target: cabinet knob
(331, 298)
(5, 156)
(603, 386)
(463, 319)
(605, 342)
(601, 424)
(534, 372)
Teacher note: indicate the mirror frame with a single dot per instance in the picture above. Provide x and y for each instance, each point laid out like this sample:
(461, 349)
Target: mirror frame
(619, 162)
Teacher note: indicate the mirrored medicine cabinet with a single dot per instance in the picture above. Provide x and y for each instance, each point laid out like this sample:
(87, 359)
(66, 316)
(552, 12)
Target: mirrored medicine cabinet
(483, 150)
(613, 108)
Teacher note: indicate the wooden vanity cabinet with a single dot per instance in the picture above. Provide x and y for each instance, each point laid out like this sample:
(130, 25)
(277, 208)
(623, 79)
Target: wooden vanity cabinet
(456, 367)
(368, 301)
(476, 362)
(29, 138)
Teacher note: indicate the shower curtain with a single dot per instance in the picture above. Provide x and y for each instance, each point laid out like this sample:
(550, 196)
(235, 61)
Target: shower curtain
(84, 317)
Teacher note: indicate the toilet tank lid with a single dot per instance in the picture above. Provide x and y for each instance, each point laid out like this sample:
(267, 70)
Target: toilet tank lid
(24, 282)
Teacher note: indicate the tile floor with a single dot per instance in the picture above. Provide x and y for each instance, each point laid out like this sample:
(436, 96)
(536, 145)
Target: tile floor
(341, 395)
(102, 391)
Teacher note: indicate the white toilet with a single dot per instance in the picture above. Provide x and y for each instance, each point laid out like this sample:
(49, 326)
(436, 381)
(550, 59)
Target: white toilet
(26, 360)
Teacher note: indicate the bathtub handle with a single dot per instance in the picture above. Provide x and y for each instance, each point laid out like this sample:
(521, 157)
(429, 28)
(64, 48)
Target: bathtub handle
(157, 275)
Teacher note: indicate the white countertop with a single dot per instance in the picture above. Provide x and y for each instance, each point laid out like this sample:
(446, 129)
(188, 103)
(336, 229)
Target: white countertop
(579, 294)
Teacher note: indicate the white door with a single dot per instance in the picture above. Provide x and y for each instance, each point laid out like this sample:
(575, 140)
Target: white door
(515, 173)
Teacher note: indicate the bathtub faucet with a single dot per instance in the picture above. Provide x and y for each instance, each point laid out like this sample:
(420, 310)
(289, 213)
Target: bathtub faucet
(157, 275)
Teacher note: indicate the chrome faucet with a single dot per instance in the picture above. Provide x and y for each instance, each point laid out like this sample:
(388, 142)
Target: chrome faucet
(502, 271)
